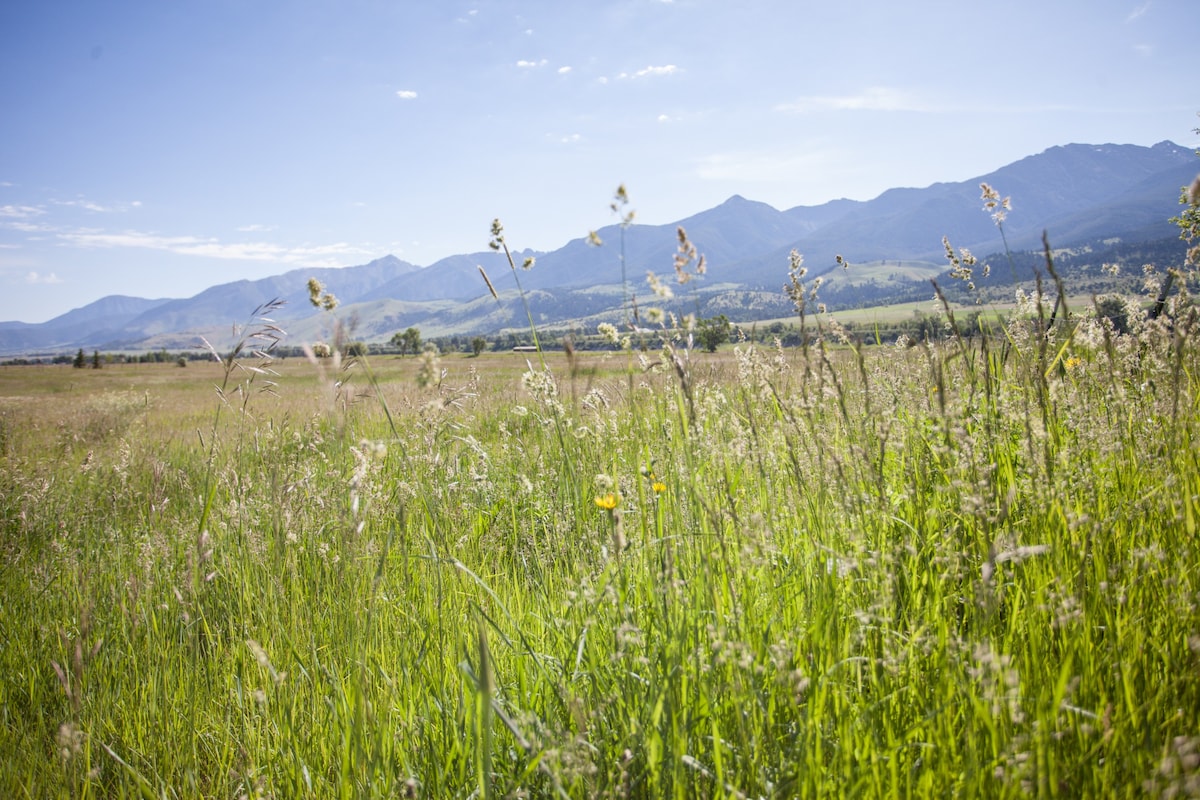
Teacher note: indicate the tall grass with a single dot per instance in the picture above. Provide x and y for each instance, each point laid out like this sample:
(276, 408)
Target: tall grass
(963, 569)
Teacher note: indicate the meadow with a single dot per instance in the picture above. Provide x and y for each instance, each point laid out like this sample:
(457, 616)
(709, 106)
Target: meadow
(964, 568)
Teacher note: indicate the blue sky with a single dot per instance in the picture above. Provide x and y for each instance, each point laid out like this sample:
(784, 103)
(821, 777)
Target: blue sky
(157, 148)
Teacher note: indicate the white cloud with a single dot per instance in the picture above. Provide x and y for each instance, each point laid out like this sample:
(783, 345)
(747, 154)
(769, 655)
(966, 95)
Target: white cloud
(875, 98)
(563, 70)
(87, 205)
(37, 278)
(1138, 11)
(571, 139)
(21, 212)
(26, 227)
(523, 64)
(306, 255)
(664, 118)
(406, 94)
(652, 72)
(98, 208)
(255, 228)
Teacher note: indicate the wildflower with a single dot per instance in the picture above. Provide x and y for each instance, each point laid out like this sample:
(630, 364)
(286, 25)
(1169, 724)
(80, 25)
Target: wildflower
(795, 285)
(594, 239)
(540, 384)
(656, 485)
(430, 372)
(685, 256)
(994, 205)
(319, 297)
(660, 289)
(1072, 362)
(608, 501)
(619, 204)
(608, 332)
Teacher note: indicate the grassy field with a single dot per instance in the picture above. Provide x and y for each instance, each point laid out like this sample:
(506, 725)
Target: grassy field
(965, 570)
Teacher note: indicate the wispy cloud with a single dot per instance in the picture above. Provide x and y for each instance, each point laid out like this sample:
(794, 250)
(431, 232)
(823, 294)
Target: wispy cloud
(255, 228)
(21, 212)
(38, 278)
(1138, 11)
(875, 98)
(563, 70)
(26, 227)
(99, 208)
(406, 94)
(651, 72)
(304, 255)
(523, 64)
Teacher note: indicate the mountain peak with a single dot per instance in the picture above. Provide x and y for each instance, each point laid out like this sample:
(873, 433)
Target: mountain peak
(737, 201)
(387, 261)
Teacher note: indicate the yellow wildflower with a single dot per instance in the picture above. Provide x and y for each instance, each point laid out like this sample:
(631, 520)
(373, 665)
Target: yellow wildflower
(607, 501)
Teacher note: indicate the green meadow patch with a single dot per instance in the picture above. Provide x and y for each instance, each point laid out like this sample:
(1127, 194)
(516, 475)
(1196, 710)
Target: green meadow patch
(966, 569)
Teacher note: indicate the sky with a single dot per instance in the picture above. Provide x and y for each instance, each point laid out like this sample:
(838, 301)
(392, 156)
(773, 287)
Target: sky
(157, 147)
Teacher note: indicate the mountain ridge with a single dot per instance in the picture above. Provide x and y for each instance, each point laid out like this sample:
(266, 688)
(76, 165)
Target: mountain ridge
(1076, 192)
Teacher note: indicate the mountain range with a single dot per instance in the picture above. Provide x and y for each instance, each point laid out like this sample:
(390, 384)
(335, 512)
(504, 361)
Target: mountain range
(1079, 194)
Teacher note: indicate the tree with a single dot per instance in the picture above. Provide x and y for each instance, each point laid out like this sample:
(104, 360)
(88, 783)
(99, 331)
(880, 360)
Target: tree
(80, 362)
(356, 349)
(478, 345)
(712, 333)
(1112, 307)
(96, 359)
(409, 341)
